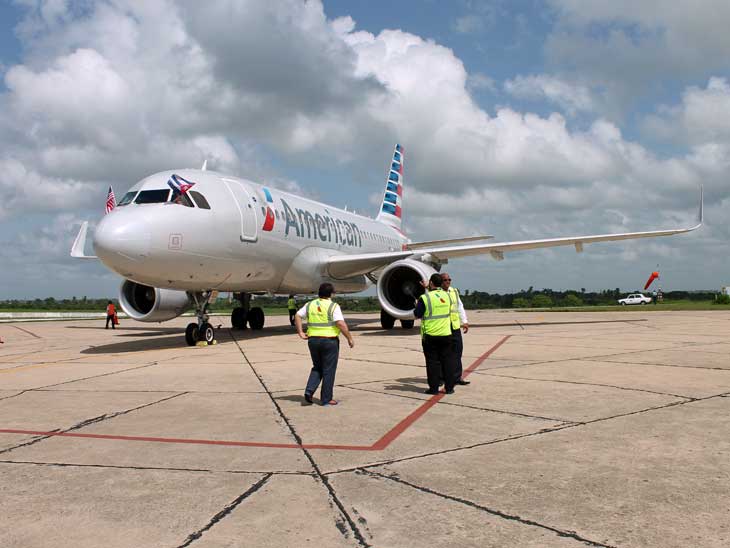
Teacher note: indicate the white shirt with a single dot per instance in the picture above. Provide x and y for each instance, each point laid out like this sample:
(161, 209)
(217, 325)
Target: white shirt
(336, 313)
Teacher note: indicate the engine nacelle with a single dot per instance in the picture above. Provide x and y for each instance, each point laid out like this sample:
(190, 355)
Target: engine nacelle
(150, 304)
(399, 286)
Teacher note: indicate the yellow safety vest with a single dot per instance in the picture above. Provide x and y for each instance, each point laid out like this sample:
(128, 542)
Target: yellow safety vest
(292, 304)
(454, 298)
(320, 318)
(436, 320)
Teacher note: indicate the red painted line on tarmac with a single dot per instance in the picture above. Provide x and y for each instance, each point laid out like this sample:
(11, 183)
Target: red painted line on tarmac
(186, 440)
(379, 445)
(406, 423)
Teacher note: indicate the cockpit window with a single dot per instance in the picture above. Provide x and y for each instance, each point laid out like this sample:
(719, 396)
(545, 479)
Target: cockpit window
(127, 199)
(157, 196)
(181, 198)
(199, 199)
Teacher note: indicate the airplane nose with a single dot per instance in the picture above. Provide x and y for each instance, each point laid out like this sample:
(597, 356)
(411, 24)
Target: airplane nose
(120, 238)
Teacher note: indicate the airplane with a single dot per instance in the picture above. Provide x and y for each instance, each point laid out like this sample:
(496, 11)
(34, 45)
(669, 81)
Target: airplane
(179, 237)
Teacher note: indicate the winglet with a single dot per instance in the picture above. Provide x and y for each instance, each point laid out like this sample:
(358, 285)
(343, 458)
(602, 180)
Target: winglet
(205, 165)
(77, 250)
(702, 205)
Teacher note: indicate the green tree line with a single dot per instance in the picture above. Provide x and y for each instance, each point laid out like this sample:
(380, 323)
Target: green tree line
(473, 300)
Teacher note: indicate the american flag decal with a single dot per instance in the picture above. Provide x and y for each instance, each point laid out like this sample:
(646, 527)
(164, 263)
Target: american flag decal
(111, 201)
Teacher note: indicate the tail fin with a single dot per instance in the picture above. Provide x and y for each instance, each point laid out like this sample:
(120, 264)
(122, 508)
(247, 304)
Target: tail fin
(390, 209)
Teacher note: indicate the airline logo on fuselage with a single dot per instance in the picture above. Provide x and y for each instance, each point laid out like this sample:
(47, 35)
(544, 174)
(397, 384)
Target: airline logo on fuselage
(315, 226)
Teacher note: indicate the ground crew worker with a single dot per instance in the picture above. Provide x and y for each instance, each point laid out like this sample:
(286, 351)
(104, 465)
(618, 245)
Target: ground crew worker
(111, 313)
(434, 309)
(291, 304)
(324, 324)
(459, 322)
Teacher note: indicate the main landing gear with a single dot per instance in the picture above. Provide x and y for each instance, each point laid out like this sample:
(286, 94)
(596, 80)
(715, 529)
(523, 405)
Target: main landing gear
(244, 314)
(387, 321)
(202, 330)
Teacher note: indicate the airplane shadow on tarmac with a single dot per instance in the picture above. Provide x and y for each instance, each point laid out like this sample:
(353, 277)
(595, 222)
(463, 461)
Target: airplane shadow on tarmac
(163, 338)
(174, 336)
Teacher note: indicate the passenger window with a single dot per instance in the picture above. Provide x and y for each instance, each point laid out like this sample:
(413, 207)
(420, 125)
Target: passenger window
(157, 196)
(199, 199)
(127, 199)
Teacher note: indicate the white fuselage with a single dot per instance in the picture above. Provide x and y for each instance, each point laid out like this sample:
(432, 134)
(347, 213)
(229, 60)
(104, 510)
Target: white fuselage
(236, 245)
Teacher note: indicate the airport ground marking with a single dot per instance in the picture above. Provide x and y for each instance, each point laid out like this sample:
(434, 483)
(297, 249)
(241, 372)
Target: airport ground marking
(388, 438)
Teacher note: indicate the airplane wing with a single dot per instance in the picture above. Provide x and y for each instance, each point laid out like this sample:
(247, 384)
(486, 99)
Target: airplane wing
(77, 250)
(421, 245)
(344, 266)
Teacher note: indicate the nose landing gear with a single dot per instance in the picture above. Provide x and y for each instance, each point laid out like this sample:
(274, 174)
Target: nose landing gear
(202, 330)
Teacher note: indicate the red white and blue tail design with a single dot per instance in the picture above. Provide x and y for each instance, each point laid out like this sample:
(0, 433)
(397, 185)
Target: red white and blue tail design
(390, 209)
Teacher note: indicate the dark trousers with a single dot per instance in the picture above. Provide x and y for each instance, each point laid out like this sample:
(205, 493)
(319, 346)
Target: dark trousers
(291, 315)
(325, 353)
(109, 318)
(439, 355)
(458, 347)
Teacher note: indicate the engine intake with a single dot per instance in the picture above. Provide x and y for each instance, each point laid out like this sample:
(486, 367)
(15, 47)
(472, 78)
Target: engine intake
(151, 304)
(399, 286)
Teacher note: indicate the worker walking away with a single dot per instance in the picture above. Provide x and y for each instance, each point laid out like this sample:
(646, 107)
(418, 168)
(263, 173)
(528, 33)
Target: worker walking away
(291, 304)
(111, 315)
(325, 322)
(434, 309)
(459, 322)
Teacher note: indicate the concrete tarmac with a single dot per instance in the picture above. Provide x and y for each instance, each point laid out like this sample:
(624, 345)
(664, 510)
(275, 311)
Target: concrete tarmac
(578, 429)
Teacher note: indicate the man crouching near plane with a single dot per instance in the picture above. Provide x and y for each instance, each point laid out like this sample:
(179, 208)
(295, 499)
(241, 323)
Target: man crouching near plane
(434, 309)
(324, 324)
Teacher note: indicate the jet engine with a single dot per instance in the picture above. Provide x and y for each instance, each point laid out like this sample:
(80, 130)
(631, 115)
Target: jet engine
(151, 304)
(399, 285)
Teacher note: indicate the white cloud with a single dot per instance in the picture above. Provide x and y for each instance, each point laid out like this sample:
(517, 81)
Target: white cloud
(125, 89)
(631, 49)
(572, 98)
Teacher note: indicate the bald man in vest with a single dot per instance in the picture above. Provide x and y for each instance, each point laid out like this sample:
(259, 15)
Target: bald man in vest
(434, 309)
(325, 322)
(459, 322)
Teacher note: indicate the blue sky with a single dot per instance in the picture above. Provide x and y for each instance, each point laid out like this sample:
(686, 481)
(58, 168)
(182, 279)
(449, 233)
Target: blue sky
(521, 119)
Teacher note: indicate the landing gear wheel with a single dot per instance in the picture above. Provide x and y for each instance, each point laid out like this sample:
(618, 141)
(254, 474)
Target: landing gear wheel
(256, 318)
(206, 333)
(238, 318)
(406, 324)
(191, 334)
(386, 320)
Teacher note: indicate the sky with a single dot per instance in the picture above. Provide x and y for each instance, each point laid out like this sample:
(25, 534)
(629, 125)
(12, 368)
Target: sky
(520, 119)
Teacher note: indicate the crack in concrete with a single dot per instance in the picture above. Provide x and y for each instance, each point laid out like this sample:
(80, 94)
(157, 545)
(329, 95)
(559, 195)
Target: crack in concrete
(588, 384)
(521, 436)
(162, 468)
(456, 449)
(320, 476)
(227, 510)
(87, 422)
(96, 376)
(27, 331)
(15, 395)
(497, 513)
(442, 402)
(660, 365)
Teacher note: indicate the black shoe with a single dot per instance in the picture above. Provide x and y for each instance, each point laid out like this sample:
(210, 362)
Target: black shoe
(432, 392)
(308, 398)
(450, 391)
(462, 382)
